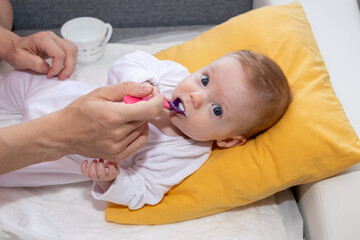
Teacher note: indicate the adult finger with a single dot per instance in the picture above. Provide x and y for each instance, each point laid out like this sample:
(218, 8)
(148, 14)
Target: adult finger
(44, 45)
(133, 146)
(25, 54)
(114, 148)
(27, 60)
(127, 129)
(108, 97)
(133, 134)
(70, 51)
(116, 92)
(57, 54)
(145, 110)
(121, 113)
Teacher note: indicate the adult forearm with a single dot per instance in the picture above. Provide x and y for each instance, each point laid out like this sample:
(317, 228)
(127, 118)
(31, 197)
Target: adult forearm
(29, 143)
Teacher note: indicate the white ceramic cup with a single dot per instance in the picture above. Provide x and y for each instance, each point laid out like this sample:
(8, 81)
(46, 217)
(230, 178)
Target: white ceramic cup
(90, 35)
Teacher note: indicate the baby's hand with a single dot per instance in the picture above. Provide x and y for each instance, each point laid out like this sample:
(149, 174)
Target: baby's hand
(100, 171)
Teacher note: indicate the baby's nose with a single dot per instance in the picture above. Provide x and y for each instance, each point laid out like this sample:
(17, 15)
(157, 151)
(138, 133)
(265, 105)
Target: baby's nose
(196, 99)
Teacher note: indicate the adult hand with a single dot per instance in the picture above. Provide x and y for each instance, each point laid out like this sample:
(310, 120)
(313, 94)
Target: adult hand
(98, 125)
(95, 125)
(30, 52)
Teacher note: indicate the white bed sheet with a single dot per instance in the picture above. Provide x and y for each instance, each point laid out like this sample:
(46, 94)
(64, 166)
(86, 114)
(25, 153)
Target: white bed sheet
(69, 212)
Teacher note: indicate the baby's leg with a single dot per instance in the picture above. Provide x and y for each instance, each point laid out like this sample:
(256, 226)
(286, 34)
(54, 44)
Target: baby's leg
(13, 88)
(34, 95)
(63, 171)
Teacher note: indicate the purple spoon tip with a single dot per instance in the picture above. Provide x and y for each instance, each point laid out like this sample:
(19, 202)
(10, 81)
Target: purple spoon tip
(174, 106)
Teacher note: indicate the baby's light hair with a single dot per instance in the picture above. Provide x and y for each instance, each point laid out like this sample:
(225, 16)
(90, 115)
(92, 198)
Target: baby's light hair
(271, 90)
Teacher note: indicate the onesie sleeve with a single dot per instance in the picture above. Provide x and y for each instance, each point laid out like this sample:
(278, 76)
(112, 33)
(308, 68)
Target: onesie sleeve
(140, 66)
(153, 174)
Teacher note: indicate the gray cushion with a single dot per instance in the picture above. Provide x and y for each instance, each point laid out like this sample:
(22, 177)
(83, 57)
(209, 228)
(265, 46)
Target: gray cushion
(127, 35)
(47, 14)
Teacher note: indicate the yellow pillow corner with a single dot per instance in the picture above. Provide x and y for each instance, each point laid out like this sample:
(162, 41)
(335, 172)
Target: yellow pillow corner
(313, 140)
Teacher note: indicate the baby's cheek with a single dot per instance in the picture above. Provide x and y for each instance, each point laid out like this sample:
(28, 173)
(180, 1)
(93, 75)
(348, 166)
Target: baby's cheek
(198, 131)
(199, 126)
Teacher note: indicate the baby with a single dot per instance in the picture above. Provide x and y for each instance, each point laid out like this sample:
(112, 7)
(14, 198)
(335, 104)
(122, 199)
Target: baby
(229, 101)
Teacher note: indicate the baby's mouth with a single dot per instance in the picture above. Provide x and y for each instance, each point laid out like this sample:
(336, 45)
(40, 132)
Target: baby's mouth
(177, 106)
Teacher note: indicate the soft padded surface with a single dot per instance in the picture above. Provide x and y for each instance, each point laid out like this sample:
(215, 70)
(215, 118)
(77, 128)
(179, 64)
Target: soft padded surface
(312, 141)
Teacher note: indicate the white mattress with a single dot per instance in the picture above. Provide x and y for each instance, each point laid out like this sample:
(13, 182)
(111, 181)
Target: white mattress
(69, 212)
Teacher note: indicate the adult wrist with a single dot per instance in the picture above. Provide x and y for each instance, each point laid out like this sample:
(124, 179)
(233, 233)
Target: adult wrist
(54, 135)
(41, 138)
(25, 144)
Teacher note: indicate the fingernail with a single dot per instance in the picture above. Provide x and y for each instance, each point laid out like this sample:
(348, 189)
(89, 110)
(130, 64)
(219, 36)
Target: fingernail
(62, 77)
(49, 75)
(46, 69)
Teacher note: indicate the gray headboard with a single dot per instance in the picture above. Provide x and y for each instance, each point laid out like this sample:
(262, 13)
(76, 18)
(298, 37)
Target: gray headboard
(129, 18)
(47, 14)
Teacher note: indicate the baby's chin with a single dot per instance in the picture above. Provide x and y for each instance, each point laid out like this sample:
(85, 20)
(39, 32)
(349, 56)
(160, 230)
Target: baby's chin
(176, 125)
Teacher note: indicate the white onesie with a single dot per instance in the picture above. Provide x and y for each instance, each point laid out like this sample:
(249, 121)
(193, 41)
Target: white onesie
(145, 176)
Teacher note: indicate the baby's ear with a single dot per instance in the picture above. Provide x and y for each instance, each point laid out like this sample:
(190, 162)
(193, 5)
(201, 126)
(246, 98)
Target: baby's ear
(231, 142)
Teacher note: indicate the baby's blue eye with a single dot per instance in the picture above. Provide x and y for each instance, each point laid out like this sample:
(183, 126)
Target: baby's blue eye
(204, 80)
(217, 110)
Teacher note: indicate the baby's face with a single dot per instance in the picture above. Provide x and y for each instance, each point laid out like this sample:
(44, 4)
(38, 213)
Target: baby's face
(216, 100)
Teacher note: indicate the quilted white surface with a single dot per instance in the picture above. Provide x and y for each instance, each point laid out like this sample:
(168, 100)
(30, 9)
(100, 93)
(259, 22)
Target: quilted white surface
(69, 212)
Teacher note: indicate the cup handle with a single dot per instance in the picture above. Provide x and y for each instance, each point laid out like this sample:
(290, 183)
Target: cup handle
(109, 32)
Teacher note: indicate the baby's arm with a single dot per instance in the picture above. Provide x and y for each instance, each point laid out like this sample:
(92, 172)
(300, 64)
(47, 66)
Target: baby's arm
(100, 171)
(142, 67)
(145, 178)
(136, 67)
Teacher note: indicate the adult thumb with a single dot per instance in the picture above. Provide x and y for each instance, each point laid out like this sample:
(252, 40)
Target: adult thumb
(116, 92)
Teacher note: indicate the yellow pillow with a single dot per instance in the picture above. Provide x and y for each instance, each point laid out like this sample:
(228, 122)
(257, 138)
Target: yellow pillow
(313, 140)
